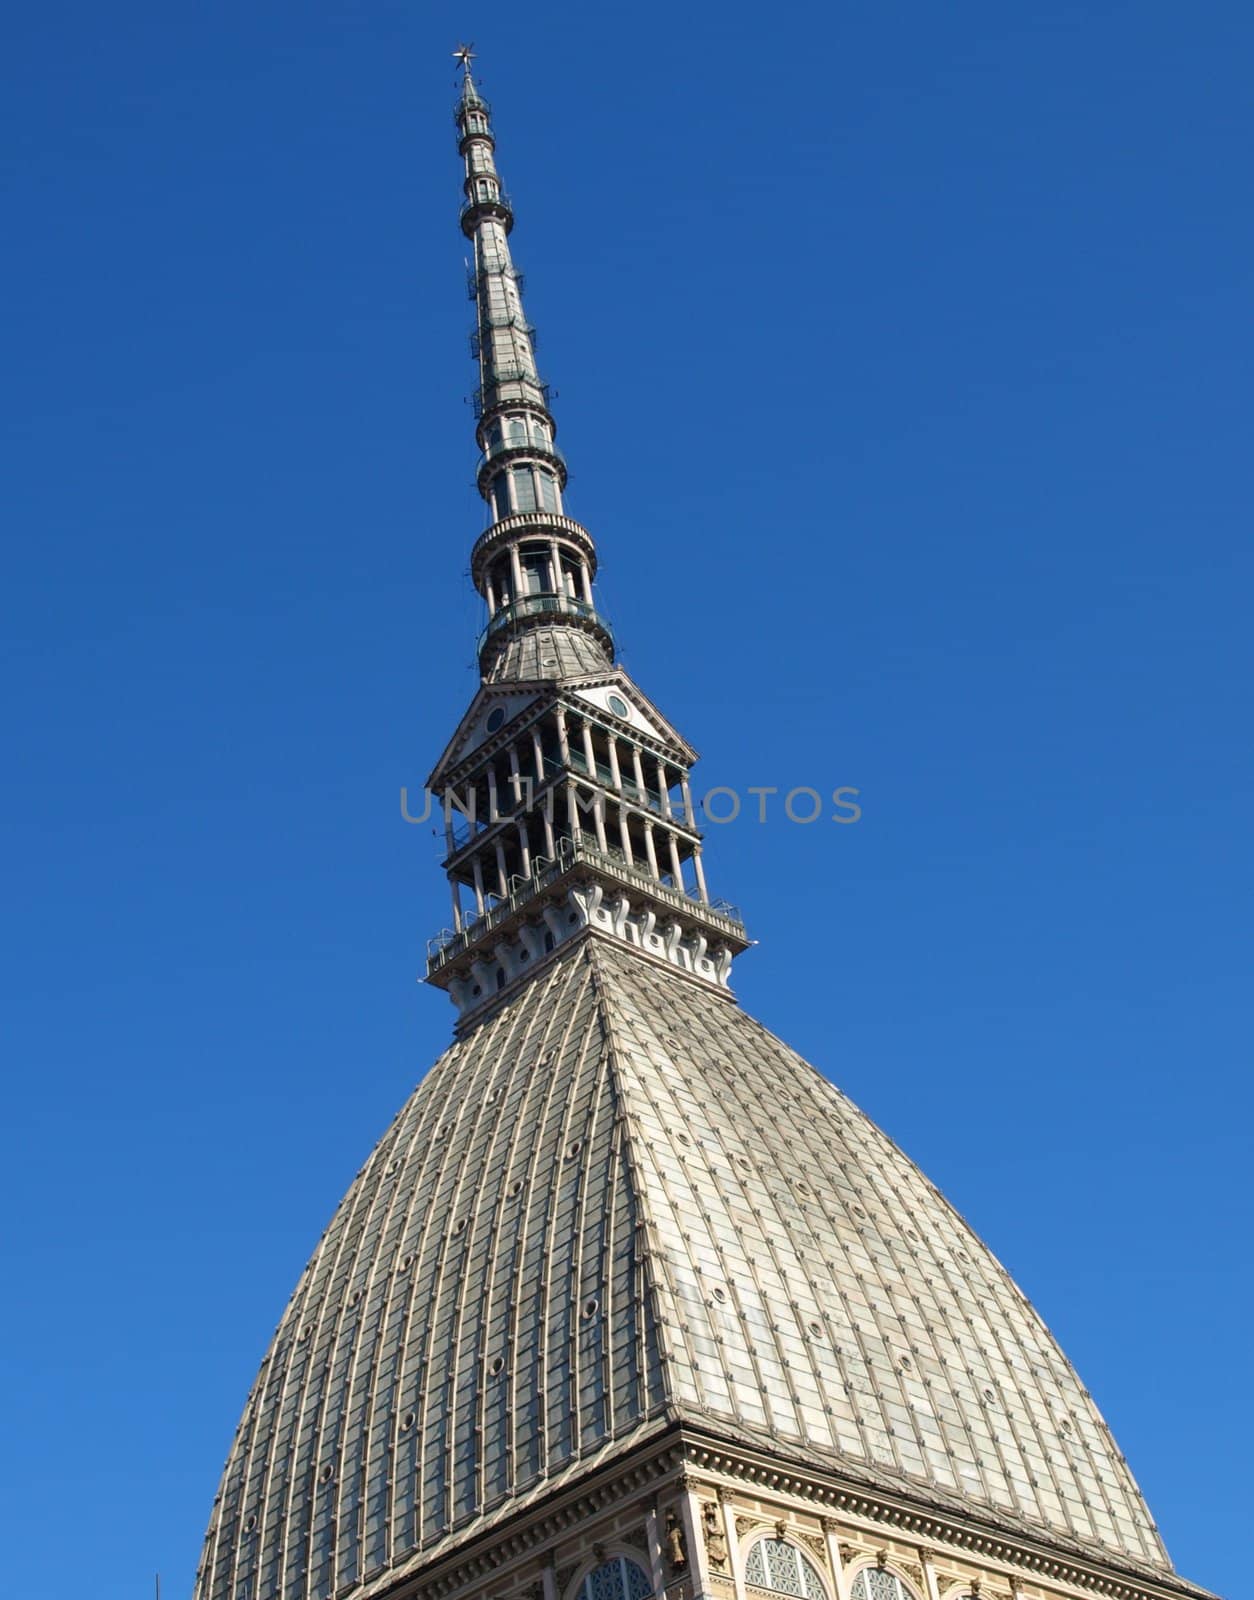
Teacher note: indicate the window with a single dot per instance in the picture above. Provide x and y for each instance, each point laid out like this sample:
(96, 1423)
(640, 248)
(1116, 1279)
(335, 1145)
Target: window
(877, 1583)
(524, 489)
(500, 496)
(619, 1579)
(548, 491)
(535, 570)
(775, 1564)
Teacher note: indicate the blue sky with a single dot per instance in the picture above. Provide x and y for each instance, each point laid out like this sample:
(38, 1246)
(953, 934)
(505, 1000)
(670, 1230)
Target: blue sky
(902, 355)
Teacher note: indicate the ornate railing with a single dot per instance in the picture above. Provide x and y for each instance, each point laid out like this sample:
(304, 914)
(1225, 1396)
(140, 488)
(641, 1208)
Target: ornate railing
(542, 605)
(448, 944)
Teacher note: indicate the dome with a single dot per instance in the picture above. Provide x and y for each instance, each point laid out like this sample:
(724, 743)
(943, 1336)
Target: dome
(619, 1207)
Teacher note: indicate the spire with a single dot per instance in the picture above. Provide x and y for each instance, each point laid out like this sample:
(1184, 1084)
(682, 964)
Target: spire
(534, 565)
(567, 805)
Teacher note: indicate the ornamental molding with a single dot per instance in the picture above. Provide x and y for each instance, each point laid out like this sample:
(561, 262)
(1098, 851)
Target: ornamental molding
(529, 1534)
(526, 1534)
(936, 1528)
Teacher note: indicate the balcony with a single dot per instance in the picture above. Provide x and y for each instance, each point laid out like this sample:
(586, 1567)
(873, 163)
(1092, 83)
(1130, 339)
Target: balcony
(540, 523)
(492, 202)
(535, 607)
(484, 397)
(519, 450)
(718, 915)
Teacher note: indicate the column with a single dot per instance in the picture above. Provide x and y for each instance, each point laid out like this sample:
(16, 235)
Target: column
(588, 753)
(502, 870)
(598, 821)
(524, 847)
(649, 849)
(638, 768)
(833, 1559)
(727, 1507)
(477, 869)
(663, 789)
(537, 750)
(515, 775)
(555, 568)
(546, 812)
(700, 872)
(689, 815)
(515, 566)
(572, 808)
(624, 834)
(694, 1539)
(457, 905)
(494, 814)
(586, 578)
(616, 772)
(489, 593)
(677, 870)
(563, 736)
(653, 1535)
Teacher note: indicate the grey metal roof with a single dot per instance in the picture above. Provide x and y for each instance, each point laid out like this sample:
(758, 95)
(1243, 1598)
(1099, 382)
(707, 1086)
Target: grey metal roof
(618, 1202)
(547, 653)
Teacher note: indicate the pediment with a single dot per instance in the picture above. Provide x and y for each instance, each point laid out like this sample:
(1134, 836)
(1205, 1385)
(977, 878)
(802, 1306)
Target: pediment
(490, 710)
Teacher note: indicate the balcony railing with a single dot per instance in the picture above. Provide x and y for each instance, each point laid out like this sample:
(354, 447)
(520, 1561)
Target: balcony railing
(448, 945)
(466, 824)
(474, 275)
(498, 201)
(521, 447)
(542, 605)
(506, 372)
(539, 522)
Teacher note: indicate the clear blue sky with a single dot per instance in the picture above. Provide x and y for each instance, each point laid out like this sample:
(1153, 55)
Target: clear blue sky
(903, 354)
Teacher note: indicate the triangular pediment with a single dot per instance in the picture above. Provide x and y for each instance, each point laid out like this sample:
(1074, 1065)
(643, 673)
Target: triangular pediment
(616, 697)
(491, 710)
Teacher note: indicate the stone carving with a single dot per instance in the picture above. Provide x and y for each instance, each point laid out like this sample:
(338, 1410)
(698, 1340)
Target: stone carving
(815, 1545)
(881, 1559)
(715, 1537)
(676, 1551)
(562, 1577)
(745, 1526)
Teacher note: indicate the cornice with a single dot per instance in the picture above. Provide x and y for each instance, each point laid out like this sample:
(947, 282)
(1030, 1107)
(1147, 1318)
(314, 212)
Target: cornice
(931, 1525)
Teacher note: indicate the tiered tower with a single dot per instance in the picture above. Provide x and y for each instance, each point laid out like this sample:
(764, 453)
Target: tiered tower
(566, 794)
(629, 1301)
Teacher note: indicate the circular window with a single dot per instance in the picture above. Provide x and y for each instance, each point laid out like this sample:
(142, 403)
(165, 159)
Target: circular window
(496, 719)
(619, 706)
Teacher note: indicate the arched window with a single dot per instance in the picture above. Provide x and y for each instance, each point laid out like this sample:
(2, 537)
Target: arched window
(877, 1583)
(775, 1564)
(618, 1579)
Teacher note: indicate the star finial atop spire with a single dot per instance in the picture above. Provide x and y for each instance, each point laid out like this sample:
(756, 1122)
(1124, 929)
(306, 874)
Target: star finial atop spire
(464, 55)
